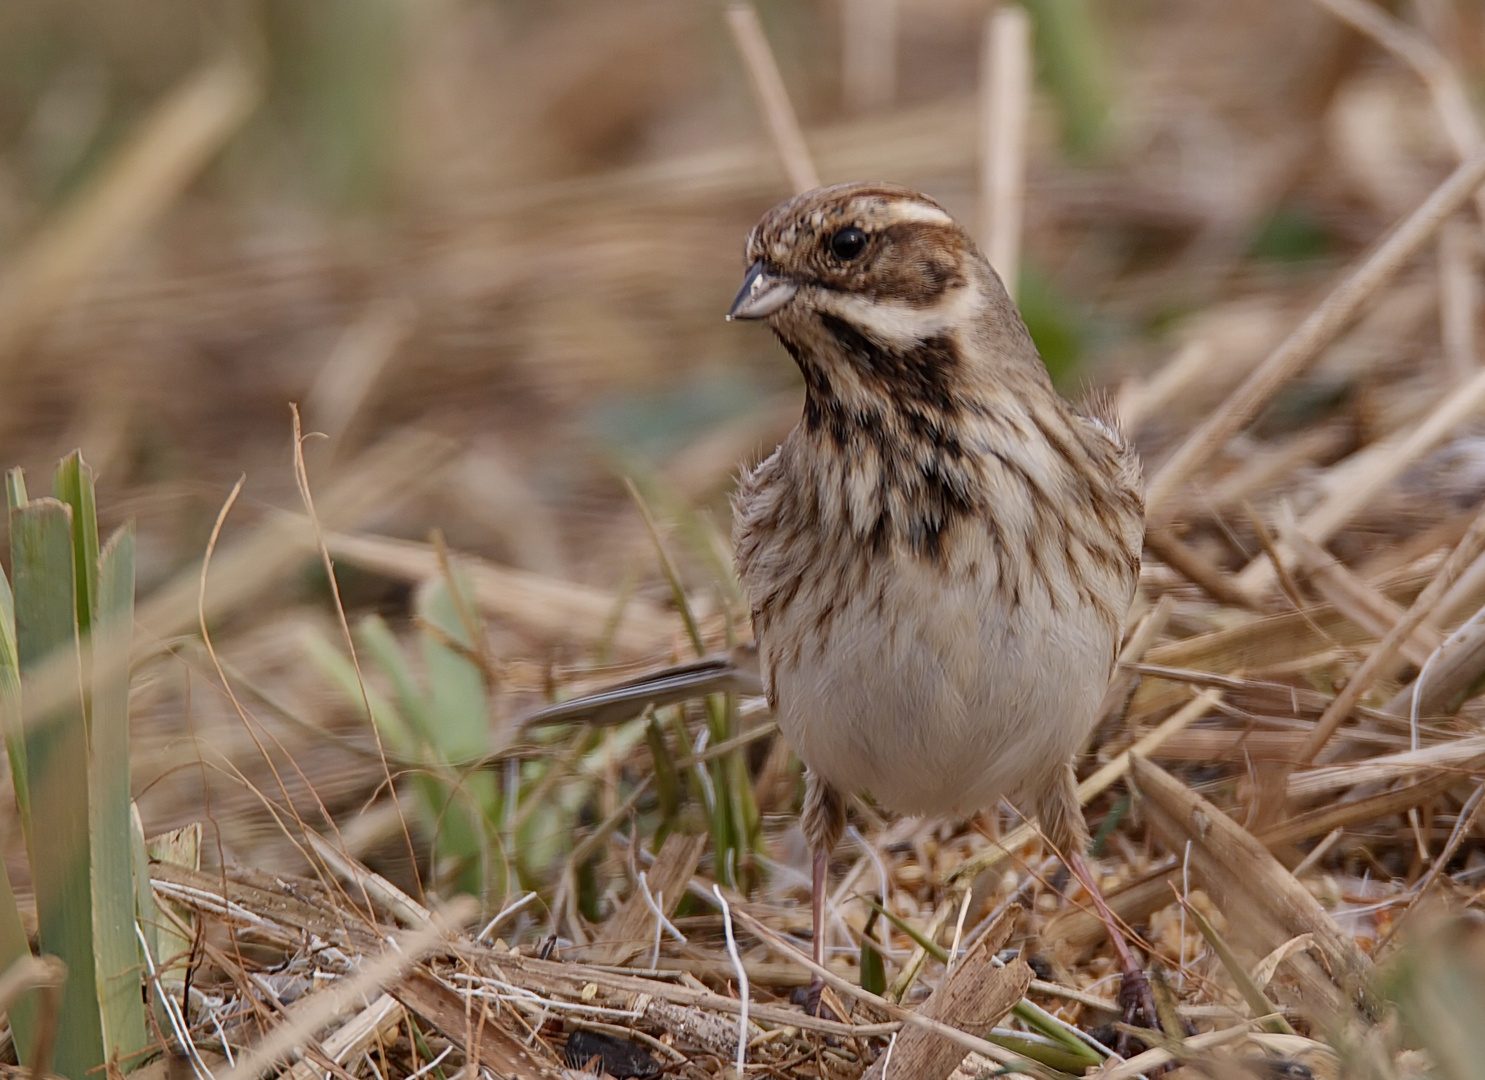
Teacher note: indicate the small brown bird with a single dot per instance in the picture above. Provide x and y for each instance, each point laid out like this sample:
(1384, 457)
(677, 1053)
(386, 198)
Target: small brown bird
(940, 556)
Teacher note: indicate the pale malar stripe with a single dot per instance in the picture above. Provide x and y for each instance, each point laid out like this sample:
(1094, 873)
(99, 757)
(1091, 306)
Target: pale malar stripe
(893, 322)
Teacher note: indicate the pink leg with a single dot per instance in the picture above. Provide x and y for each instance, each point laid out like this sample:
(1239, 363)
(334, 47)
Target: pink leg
(817, 923)
(1135, 991)
(817, 915)
(823, 819)
(817, 904)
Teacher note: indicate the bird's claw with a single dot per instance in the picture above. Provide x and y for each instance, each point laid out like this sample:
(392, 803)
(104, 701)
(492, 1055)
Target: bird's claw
(810, 998)
(1138, 1000)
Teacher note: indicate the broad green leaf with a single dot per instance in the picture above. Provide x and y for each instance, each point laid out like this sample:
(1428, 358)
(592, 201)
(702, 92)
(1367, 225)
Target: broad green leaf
(458, 728)
(56, 764)
(338, 668)
(115, 943)
(461, 834)
(414, 731)
(460, 715)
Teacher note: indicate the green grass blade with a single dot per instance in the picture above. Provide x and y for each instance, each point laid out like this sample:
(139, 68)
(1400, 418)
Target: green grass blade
(1054, 1056)
(745, 822)
(73, 485)
(1070, 56)
(56, 752)
(1252, 993)
(7, 625)
(15, 489)
(14, 946)
(10, 705)
(145, 911)
(1029, 1013)
(13, 942)
(667, 781)
(873, 965)
(115, 943)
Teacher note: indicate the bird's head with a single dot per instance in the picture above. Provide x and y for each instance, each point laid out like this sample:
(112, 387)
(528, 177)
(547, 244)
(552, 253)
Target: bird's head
(874, 242)
(867, 284)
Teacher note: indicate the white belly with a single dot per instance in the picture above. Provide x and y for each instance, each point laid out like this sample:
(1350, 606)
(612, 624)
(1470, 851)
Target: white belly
(943, 700)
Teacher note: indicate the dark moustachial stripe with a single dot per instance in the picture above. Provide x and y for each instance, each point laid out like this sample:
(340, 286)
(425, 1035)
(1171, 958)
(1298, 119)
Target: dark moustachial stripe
(823, 411)
(923, 374)
(924, 482)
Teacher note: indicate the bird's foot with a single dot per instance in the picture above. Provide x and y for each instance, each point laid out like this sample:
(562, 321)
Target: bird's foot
(1137, 999)
(1138, 1002)
(811, 999)
(1136, 996)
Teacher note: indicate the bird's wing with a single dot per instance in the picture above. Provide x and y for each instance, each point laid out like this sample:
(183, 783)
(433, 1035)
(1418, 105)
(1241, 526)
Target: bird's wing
(1100, 414)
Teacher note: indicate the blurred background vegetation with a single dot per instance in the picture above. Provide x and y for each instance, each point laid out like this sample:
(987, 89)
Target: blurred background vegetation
(486, 246)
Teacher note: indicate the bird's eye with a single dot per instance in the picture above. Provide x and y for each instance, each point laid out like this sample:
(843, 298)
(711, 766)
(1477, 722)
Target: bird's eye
(848, 243)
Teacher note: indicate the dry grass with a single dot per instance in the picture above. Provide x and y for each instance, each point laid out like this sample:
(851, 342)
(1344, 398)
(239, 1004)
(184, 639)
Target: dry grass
(487, 247)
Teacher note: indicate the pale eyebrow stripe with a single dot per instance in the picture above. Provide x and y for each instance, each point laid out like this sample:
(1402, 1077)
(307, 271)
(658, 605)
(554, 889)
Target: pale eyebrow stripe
(910, 210)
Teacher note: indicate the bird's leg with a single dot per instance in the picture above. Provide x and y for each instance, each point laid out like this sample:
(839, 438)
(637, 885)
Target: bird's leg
(1134, 990)
(817, 928)
(823, 820)
(1061, 815)
(817, 905)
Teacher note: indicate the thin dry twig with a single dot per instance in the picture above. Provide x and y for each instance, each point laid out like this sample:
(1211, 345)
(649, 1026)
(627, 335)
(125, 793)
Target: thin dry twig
(773, 99)
(319, 1009)
(543, 605)
(1302, 346)
(1005, 101)
(301, 480)
(897, 1012)
(1450, 97)
(1459, 299)
(1465, 552)
(1356, 482)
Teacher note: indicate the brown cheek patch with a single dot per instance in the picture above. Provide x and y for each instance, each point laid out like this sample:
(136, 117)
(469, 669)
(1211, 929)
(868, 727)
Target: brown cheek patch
(915, 263)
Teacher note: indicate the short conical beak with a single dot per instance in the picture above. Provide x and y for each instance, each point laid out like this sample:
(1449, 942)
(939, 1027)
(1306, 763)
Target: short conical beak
(762, 293)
